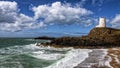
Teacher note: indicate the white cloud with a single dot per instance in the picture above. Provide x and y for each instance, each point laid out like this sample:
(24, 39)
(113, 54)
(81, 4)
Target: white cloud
(57, 13)
(60, 13)
(12, 20)
(8, 11)
(116, 21)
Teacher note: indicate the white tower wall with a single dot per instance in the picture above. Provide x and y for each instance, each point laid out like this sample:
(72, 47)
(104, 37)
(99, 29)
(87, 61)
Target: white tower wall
(102, 22)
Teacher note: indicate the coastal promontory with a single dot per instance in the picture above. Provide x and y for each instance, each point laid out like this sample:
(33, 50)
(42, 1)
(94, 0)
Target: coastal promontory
(99, 36)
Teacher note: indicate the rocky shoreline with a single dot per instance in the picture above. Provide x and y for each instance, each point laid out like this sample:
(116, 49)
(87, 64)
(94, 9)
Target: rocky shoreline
(97, 38)
(96, 59)
(110, 59)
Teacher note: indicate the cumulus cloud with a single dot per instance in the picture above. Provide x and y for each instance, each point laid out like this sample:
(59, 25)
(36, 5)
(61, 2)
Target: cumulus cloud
(12, 20)
(57, 13)
(116, 21)
(60, 13)
(8, 9)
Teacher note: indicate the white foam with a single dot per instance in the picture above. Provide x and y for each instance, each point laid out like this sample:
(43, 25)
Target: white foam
(105, 61)
(31, 47)
(33, 50)
(15, 50)
(52, 48)
(42, 54)
(72, 59)
(48, 56)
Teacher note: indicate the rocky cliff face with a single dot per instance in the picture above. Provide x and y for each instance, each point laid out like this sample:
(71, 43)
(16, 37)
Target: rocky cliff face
(96, 37)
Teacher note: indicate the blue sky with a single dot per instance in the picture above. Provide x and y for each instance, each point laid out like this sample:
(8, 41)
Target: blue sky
(32, 18)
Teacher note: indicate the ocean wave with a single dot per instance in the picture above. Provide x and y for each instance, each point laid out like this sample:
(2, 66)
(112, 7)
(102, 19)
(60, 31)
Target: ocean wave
(47, 56)
(71, 59)
(50, 53)
(16, 50)
(40, 52)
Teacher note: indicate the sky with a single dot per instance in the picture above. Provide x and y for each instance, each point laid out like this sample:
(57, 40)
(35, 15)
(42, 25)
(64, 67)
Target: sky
(33, 18)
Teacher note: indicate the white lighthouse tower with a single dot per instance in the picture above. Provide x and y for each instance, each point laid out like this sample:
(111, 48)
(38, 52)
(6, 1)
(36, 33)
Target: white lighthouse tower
(102, 22)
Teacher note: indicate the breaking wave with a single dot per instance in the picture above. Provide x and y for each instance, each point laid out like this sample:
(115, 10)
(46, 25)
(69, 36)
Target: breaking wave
(71, 59)
(57, 57)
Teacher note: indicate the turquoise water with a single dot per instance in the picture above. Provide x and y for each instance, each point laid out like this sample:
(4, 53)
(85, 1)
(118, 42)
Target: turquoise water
(6, 42)
(22, 53)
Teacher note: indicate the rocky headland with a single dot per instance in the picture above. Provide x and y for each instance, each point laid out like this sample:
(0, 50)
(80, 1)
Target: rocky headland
(105, 44)
(97, 37)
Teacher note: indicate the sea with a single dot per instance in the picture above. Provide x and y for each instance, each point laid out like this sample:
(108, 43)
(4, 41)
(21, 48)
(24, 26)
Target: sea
(23, 53)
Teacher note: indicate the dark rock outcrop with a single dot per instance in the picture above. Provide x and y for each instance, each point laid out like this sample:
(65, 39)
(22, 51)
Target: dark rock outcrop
(45, 38)
(96, 37)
